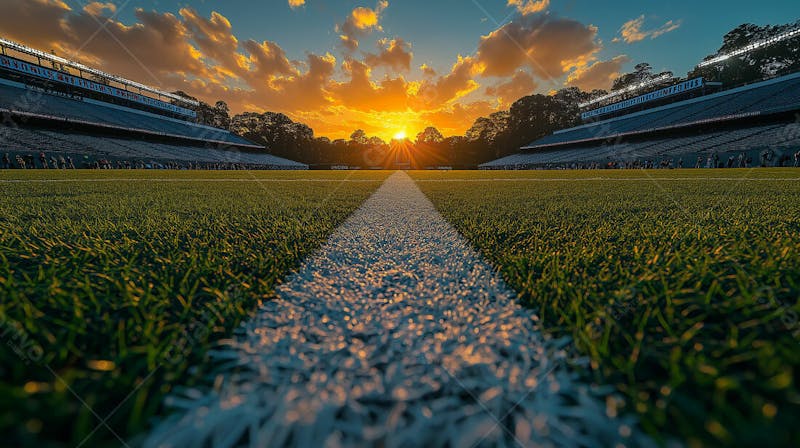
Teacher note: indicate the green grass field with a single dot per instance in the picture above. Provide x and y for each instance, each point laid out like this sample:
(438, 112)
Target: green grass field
(681, 289)
(113, 283)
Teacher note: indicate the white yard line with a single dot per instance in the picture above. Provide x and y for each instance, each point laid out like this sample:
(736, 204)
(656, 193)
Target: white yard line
(396, 333)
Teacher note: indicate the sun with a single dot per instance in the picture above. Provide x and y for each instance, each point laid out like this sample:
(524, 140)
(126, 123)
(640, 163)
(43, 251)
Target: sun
(400, 135)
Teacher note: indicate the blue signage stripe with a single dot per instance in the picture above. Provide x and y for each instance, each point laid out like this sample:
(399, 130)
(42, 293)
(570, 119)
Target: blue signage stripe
(64, 78)
(652, 96)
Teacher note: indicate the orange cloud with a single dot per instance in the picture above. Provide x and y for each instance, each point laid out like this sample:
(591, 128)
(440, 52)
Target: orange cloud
(362, 94)
(600, 75)
(395, 53)
(549, 46)
(30, 21)
(267, 59)
(526, 7)
(427, 70)
(119, 48)
(97, 8)
(521, 84)
(433, 94)
(361, 22)
(296, 3)
(631, 31)
(215, 39)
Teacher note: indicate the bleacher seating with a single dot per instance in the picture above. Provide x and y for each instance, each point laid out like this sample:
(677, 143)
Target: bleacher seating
(779, 136)
(15, 98)
(760, 98)
(78, 146)
(683, 130)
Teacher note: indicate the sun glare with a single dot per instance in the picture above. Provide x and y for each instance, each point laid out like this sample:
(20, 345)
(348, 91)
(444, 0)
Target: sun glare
(400, 135)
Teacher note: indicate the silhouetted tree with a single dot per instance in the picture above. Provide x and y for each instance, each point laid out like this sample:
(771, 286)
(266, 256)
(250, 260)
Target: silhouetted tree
(642, 72)
(277, 132)
(217, 116)
(773, 60)
(430, 136)
(359, 137)
(220, 115)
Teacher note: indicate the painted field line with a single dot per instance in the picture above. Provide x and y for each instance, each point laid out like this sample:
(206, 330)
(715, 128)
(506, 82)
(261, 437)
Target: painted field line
(396, 333)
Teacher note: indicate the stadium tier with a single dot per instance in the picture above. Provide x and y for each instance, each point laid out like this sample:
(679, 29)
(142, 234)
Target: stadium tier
(14, 97)
(58, 113)
(758, 120)
(85, 149)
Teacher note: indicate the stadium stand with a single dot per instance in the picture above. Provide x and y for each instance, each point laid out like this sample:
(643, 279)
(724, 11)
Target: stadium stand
(87, 122)
(755, 124)
(93, 111)
(83, 147)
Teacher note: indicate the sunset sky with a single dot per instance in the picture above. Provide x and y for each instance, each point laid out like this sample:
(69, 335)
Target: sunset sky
(378, 65)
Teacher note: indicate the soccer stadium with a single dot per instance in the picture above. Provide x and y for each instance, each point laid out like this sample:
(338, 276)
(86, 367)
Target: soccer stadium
(340, 224)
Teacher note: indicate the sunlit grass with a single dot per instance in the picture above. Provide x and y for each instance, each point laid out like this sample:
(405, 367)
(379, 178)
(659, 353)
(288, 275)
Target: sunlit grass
(110, 291)
(683, 293)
